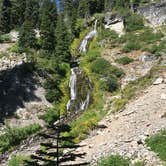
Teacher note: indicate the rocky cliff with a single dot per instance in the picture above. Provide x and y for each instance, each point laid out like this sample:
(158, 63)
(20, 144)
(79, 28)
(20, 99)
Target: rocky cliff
(155, 13)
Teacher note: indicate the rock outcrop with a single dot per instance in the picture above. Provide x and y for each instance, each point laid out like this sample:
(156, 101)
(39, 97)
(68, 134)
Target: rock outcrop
(155, 13)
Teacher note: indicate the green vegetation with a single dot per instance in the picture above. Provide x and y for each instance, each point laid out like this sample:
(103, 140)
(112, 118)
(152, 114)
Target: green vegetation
(157, 143)
(13, 136)
(50, 116)
(18, 160)
(133, 22)
(124, 60)
(5, 38)
(114, 160)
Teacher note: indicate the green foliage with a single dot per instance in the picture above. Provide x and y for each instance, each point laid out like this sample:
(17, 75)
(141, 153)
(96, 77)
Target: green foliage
(114, 160)
(119, 104)
(100, 66)
(130, 46)
(50, 116)
(133, 22)
(124, 60)
(107, 34)
(15, 48)
(109, 84)
(140, 163)
(157, 143)
(5, 20)
(48, 23)
(62, 50)
(5, 38)
(13, 136)
(18, 160)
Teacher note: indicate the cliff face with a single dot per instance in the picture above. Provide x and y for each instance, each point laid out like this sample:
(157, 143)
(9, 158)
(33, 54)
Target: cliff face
(155, 13)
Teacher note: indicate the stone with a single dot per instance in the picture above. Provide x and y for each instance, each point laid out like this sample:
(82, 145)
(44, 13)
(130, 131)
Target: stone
(158, 81)
(163, 96)
(102, 125)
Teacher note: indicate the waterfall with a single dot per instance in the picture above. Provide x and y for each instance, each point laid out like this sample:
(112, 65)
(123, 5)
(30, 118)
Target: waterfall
(80, 90)
(72, 84)
(90, 35)
(80, 85)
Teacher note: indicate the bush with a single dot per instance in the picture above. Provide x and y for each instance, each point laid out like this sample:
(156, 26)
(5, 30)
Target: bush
(100, 66)
(13, 136)
(50, 116)
(5, 38)
(108, 34)
(157, 143)
(17, 160)
(130, 46)
(114, 160)
(133, 22)
(109, 84)
(124, 60)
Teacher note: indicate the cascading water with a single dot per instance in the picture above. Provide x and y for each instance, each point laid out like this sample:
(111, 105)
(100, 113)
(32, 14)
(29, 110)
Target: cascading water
(80, 85)
(89, 36)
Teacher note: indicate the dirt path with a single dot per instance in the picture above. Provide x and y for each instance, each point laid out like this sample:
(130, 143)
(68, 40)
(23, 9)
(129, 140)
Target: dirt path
(127, 130)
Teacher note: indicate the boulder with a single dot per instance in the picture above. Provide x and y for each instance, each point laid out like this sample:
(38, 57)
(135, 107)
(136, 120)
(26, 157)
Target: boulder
(158, 81)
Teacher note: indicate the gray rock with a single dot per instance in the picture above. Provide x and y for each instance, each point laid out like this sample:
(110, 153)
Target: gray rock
(158, 81)
(163, 96)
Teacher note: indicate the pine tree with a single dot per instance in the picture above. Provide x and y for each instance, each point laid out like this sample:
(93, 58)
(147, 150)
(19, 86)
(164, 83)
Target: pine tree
(62, 50)
(27, 35)
(17, 12)
(5, 20)
(48, 24)
(84, 8)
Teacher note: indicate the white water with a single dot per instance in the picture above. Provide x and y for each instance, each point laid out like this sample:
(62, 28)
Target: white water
(90, 35)
(72, 85)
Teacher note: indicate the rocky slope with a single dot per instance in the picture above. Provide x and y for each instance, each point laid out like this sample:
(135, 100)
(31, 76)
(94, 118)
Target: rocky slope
(127, 130)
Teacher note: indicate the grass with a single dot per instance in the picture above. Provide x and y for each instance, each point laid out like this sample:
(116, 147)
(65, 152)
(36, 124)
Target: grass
(157, 143)
(114, 160)
(124, 60)
(14, 136)
(117, 160)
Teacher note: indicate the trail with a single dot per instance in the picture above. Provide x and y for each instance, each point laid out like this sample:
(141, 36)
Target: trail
(127, 130)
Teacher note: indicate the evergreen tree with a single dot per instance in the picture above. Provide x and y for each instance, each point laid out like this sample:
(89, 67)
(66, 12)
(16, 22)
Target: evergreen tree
(48, 24)
(62, 50)
(5, 17)
(27, 35)
(83, 8)
(17, 12)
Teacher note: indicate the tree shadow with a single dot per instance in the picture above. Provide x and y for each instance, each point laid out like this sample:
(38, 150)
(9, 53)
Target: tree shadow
(17, 85)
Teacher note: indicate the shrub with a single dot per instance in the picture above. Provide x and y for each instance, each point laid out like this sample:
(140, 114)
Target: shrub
(124, 60)
(5, 38)
(109, 84)
(133, 22)
(157, 143)
(117, 72)
(50, 116)
(130, 46)
(114, 160)
(119, 104)
(140, 163)
(17, 160)
(13, 136)
(108, 34)
(100, 66)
